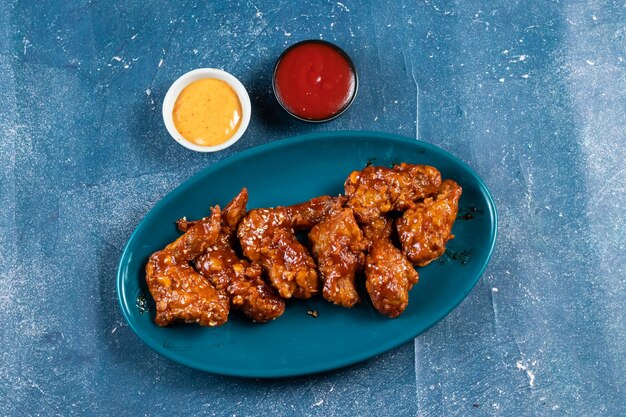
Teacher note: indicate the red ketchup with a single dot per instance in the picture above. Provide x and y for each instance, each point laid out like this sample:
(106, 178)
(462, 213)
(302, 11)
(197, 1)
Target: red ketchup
(315, 80)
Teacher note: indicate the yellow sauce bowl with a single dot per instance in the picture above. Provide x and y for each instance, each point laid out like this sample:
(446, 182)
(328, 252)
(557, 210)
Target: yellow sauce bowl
(199, 74)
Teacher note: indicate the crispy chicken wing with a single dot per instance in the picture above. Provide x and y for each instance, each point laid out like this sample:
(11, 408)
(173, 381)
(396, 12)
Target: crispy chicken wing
(425, 229)
(246, 288)
(289, 265)
(236, 278)
(338, 245)
(267, 237)
(251, 294)
(388, 274)
(377, 190)
(181, 293)
(306, 215)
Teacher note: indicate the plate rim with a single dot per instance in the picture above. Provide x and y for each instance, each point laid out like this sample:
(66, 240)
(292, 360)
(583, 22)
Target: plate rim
(332, 364)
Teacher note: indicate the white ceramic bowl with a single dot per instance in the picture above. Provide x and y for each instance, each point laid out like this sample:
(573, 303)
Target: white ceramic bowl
(195, 75)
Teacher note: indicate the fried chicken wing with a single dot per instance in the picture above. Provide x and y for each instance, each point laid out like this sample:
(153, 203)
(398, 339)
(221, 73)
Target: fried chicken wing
(377, 190)
(236, 278)
(425, 229)
(251, 294)
(338, 245)
(388, 274)
(308, 214)
(181, 293)
(246, 288)
(267, 237)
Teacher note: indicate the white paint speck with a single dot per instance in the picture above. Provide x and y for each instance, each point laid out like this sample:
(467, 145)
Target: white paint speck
(160, 63)
(525, 76)
(501, 80)
(590, 62)
(134, 36)
(594, 17)
(117, 58)
(287, 34)
(343, 6)
(148, 92)
(494, 289)
(319, 402)
(195, 51)
(26, 44)
(531, 375)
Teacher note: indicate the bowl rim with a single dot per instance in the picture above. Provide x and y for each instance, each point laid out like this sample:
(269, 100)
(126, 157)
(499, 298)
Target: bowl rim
(343, 53)
(194, 75)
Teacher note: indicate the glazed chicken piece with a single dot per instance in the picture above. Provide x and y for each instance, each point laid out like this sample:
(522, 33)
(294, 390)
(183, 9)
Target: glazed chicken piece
(425, 229)
(267, 236)
(237, 279)
(388, 274)
(377, 190)
(181, 293)
(338, 245)
(306, 215)
(249, 293)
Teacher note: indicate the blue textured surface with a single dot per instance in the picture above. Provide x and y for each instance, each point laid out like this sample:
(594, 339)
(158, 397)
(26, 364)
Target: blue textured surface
(532, 95)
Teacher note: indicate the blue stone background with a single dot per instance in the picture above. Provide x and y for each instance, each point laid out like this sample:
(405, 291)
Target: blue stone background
(532, 95)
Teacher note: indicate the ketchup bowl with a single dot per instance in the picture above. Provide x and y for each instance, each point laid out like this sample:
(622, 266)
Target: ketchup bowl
(315, 81)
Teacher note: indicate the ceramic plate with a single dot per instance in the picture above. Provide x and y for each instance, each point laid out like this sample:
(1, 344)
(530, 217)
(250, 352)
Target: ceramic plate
(287, 172)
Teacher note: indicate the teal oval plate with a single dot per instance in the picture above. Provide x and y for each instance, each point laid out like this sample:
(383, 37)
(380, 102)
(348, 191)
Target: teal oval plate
(287, 172)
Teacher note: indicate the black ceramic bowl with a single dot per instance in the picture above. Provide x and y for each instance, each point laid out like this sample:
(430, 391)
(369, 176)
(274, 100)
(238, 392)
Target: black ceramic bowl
(350, 63)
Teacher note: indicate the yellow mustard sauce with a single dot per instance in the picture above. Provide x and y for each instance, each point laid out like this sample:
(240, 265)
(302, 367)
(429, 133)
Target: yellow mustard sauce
(207, 112)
